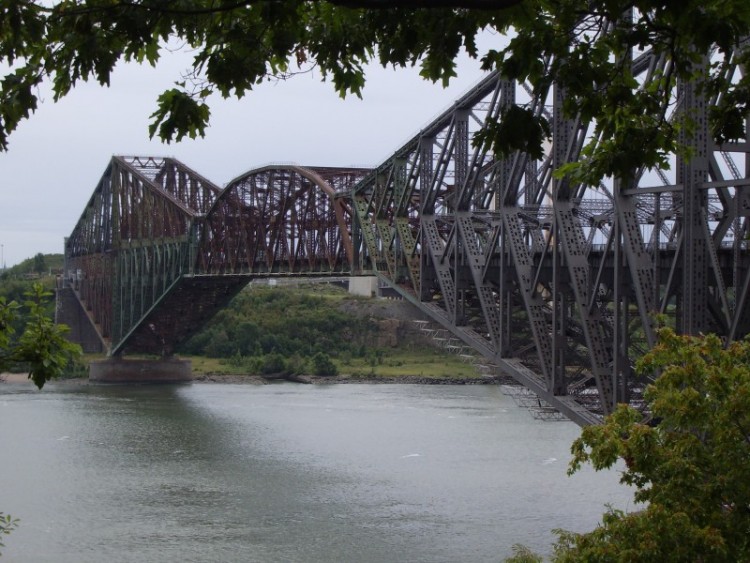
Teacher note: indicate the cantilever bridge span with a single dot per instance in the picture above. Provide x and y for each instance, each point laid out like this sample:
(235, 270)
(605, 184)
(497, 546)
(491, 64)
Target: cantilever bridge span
(555, 283)
(159, 249)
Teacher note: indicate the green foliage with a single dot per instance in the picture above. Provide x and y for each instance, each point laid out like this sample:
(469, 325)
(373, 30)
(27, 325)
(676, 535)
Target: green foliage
(654, 534)
(583, 46)
(297, 365)
(690, 467)
(290, 322)
(323, 365)
(518, 129)
(40, 265)
(273, 364)
(522, 554)
(7, 525)
(14, 290)
(375, 357)
(41, 348)
(178, 115)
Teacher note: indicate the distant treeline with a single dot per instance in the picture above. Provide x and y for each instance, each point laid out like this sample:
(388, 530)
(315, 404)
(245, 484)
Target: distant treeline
(39, 265)
(14, 286)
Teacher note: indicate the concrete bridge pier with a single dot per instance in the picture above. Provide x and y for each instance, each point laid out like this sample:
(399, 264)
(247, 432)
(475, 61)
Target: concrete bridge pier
(364, 286)
(119, 370)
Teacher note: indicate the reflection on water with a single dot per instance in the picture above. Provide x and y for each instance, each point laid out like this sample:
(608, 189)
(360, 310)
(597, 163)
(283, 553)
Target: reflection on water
(286, 473)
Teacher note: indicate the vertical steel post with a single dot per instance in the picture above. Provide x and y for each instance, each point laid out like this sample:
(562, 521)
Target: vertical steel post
(692, 172)
(561, 132)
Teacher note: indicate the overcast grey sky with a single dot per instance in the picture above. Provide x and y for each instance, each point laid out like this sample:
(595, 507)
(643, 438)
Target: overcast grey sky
(56, 157)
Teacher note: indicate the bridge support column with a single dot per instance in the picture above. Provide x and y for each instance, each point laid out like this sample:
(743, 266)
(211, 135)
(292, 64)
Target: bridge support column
(118, 370)
(364, 286)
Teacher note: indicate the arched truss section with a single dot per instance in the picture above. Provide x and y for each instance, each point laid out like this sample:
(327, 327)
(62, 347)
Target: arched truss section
(557, 283)
(187, 186)
(281, 219)
(133, 240)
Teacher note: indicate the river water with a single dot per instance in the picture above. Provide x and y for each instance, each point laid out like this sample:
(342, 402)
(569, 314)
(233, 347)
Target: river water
(286, 473)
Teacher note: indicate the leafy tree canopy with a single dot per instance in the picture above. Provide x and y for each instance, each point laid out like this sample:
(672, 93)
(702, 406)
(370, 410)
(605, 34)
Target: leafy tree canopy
(690, 467)
(41, 347)
(583, 45)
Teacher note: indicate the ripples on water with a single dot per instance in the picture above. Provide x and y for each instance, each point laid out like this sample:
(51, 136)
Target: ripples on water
(286, 473)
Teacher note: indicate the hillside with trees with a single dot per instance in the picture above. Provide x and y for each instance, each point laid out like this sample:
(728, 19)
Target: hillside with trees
(270, 330)
(307, 329)
(317, 330)
(17, 281)
(38, 266)
(287, 321)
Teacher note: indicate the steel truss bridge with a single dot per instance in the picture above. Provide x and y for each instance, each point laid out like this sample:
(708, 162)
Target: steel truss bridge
(555, 283)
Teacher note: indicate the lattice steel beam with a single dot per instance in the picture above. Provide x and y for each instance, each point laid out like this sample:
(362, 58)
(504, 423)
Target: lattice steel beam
(510, 255)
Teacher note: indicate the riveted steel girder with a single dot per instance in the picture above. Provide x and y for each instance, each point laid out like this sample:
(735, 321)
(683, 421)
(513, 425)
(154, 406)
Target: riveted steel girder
(560, 279)
(281, 220)
(159, 249)
(134, 243)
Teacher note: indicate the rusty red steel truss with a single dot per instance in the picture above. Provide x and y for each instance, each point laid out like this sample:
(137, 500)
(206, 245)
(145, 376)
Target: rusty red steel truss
(281, 220)
(159, 249)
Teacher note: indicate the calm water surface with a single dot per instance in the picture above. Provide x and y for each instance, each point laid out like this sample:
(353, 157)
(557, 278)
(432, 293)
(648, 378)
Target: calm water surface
(286, 473)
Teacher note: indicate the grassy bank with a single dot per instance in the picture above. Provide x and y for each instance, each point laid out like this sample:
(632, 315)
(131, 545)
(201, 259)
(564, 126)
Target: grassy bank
(410, 364)
(424, 363)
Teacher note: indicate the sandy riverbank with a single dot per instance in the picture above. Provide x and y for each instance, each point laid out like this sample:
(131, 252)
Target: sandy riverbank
(15, 378)
(23, 379)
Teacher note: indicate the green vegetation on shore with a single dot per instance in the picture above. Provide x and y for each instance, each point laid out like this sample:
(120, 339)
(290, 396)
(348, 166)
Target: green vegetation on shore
(397, 363)
(298, 320)
(312, 330)
(307, 329)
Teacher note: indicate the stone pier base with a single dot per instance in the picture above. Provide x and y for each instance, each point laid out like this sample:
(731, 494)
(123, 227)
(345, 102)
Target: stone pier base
(114, 370)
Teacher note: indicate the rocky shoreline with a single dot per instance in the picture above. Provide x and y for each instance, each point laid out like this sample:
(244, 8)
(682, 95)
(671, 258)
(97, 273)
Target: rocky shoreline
(17, 378)
(344, 379)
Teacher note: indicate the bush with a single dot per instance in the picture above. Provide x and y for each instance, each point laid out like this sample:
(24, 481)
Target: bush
(297, 365)
(323, 365)
(273, 363)
(76, 369)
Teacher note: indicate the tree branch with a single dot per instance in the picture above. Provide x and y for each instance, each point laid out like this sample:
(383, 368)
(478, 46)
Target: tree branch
(428, 4)
(366, 4)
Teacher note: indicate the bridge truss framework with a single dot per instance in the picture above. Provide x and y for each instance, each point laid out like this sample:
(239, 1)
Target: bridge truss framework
(556, 284)
(560, 284)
